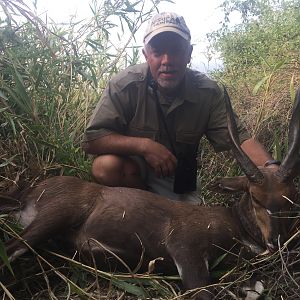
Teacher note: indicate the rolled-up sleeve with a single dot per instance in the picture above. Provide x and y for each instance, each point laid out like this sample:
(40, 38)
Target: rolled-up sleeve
(110, 114)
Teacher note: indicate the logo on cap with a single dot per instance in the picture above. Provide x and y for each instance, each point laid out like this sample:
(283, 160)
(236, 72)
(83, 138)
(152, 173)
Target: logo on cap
(167, 21)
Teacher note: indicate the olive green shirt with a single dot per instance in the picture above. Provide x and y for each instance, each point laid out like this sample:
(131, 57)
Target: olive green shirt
(128, 107)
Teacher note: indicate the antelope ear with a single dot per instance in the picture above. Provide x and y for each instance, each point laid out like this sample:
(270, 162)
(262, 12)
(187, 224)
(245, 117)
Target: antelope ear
(229, 184)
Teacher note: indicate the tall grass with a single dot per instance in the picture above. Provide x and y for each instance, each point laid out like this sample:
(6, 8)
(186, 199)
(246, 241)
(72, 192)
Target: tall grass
(52, 76)
(261, 65)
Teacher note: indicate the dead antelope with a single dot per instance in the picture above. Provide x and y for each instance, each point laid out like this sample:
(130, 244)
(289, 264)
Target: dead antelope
(135, 224)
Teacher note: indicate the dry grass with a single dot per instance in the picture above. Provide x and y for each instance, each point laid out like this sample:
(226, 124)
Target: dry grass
(38, 278)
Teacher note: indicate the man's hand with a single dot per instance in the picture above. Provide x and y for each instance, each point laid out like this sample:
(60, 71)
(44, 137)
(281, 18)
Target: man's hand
(159, 158)
(156, 155)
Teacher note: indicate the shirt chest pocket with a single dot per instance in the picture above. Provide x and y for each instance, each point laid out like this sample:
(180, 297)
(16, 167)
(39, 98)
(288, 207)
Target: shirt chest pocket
(191, 138)
(143, 133)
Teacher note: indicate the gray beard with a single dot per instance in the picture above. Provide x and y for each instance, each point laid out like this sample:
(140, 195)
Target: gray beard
(168, 84)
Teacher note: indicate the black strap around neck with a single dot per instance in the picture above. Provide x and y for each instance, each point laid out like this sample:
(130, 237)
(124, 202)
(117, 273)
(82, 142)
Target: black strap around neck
(154, 86)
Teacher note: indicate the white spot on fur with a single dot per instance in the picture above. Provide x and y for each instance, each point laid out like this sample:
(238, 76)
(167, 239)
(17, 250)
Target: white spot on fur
(179, 268)
(26, 216)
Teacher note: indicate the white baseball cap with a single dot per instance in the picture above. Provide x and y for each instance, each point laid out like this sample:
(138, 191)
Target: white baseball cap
(167, 22)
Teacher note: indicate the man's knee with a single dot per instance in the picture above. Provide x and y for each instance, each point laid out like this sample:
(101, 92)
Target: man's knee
(113, 170)
(106, 169)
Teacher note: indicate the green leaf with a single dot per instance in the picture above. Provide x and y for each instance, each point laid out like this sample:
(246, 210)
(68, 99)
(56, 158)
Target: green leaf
(218, 261)
(130, 288)
(279, 65)
(8, 161)
(4, 257)
(259, 84)
(3, 109)
(2, 95)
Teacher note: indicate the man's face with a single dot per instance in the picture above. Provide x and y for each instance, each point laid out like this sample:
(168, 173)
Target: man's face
(167, 55)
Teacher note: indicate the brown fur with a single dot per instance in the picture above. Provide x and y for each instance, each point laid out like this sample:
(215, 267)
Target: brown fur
(136, 224)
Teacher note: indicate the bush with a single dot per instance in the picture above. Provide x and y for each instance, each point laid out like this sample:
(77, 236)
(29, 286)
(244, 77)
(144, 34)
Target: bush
(50, 80)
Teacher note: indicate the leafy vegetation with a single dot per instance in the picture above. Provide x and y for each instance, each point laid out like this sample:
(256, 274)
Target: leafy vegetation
(260, 68)
(261, 59)
(51, 77)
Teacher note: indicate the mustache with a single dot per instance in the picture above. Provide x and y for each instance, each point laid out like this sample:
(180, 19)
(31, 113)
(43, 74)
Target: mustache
(167, 70)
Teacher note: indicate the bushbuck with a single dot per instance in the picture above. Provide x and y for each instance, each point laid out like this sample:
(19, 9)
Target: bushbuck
(139, 226)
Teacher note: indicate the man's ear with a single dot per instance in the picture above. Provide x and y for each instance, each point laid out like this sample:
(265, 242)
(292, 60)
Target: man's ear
(190, 53)
(144, 50)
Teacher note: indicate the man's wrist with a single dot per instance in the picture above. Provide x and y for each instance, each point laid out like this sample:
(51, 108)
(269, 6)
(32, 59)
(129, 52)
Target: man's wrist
(143, 146)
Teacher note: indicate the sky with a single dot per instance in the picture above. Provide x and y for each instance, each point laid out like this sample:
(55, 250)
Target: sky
(201, 17)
